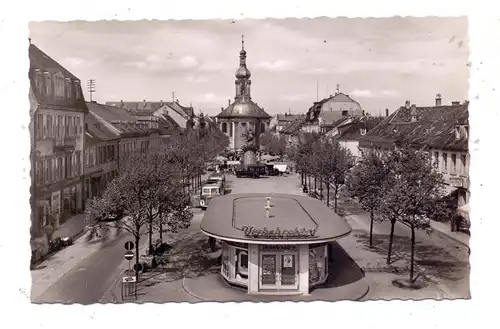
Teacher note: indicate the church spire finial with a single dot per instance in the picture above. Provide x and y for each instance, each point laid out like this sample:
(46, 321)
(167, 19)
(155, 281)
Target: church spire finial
(242, 42)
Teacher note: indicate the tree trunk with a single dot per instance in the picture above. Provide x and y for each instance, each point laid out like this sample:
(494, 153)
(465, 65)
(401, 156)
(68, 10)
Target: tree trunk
(328, 194)
(391, 238)
(315, 184)
(412, 254)
(161, 232)
(150, 251)
(371, 229)
(336, 193)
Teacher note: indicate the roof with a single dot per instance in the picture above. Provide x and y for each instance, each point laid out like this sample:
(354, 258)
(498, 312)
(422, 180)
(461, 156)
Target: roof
(243, 107)
(434, 128)
(292, 127)
(143, 106)
(352, 131)
(229, 216)
(332, 118)
(285, 118)
(339, 97)
(96, 132)
(40, 60)
(117, 117)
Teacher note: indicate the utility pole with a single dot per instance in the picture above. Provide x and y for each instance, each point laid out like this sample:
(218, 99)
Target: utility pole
(91, 87)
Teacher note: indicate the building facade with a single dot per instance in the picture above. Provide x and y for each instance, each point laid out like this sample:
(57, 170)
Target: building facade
(58, 111)
(243, 115)
(441, 130)
(113, 133)
(280, 121)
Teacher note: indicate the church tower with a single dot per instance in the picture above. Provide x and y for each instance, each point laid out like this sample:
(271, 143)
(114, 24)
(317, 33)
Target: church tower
(243, 74)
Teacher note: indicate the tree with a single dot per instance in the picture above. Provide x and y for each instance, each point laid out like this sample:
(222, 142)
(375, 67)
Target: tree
(365, 184)
(413, 193)
(273, 144)
(331, 162)
(302, 154)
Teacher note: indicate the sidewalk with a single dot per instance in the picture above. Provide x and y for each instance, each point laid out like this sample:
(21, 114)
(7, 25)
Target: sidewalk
(444, 228)
(72, 228)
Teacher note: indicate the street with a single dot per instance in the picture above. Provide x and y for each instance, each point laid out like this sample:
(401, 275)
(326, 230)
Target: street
(94, 277)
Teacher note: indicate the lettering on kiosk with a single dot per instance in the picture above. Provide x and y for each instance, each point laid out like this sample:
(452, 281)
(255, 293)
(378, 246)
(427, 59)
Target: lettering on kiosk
(297, 233)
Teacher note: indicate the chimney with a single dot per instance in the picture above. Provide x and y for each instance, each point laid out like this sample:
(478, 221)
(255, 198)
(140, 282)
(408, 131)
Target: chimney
(228, 101)
(455, 103)
(161, 102)
(29, 39)
(413, 112)
(438, 100)
(386, 112)
(407, 105)
(363, 113)
(121, 103)
(177, 100)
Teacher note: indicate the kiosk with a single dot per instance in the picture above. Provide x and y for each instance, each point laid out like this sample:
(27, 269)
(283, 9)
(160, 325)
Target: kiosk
(273, 243)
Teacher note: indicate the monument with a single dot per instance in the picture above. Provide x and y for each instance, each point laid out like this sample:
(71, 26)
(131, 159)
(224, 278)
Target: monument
(250, 148)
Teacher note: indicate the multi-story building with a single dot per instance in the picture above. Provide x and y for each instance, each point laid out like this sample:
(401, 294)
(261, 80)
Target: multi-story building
(329, 112)
(280, 121)
(58, 111)
(441, 130)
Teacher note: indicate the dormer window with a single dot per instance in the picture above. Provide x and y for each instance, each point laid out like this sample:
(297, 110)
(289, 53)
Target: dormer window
(48, 84)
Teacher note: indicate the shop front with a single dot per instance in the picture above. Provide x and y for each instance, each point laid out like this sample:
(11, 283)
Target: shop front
(273, 244)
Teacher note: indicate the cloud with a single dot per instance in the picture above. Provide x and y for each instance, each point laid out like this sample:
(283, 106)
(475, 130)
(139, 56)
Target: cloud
(188, 62)
(276, 66)
(314, 71)
(211, 66)
(76, 62)
(366, 93)
(410, 66)
(196, 78)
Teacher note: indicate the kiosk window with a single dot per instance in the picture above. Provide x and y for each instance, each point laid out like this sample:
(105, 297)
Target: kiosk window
(242, 259)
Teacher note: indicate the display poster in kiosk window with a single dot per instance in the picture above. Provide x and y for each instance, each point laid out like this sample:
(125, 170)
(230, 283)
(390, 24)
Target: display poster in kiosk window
(287, 261)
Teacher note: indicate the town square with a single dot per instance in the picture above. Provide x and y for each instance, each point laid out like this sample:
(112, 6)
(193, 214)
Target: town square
(349, 196)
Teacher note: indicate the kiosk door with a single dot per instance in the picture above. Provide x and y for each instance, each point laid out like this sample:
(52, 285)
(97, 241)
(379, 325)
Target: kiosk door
(288, 271)
(268, 271)
(279, 271)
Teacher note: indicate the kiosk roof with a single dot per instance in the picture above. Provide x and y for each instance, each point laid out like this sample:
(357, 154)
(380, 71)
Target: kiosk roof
(291, 219)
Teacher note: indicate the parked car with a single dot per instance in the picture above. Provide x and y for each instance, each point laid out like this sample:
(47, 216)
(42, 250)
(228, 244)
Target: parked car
(252, 171)
(208, 192)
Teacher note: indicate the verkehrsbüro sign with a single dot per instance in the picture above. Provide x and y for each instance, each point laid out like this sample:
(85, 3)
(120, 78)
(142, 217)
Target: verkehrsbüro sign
(264, 233)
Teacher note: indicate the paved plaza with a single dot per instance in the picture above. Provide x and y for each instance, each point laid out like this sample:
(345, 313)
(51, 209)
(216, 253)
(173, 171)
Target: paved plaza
(88, 274)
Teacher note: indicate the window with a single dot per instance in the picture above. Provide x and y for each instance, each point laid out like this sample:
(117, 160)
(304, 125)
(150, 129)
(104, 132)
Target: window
(231, 127)
(60, 168)
(39, 172)
(464, 164)
(67, 88)
(262, 127)
(49, 126)
(77, 91)
(48, 84)
(453, 163)
(67, 167)
(46, 169)
(39, 126)
(242, 259)
(445, 162)
(78, 163)
(78, 126)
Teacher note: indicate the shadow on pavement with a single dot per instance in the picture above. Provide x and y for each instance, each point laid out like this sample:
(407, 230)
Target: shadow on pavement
(437, 261)
(342, 269)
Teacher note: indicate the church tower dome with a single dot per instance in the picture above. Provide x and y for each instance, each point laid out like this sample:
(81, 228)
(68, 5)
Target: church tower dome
(243, 72)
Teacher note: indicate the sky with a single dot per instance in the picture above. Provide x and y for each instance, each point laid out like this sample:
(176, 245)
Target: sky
(379, 62)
